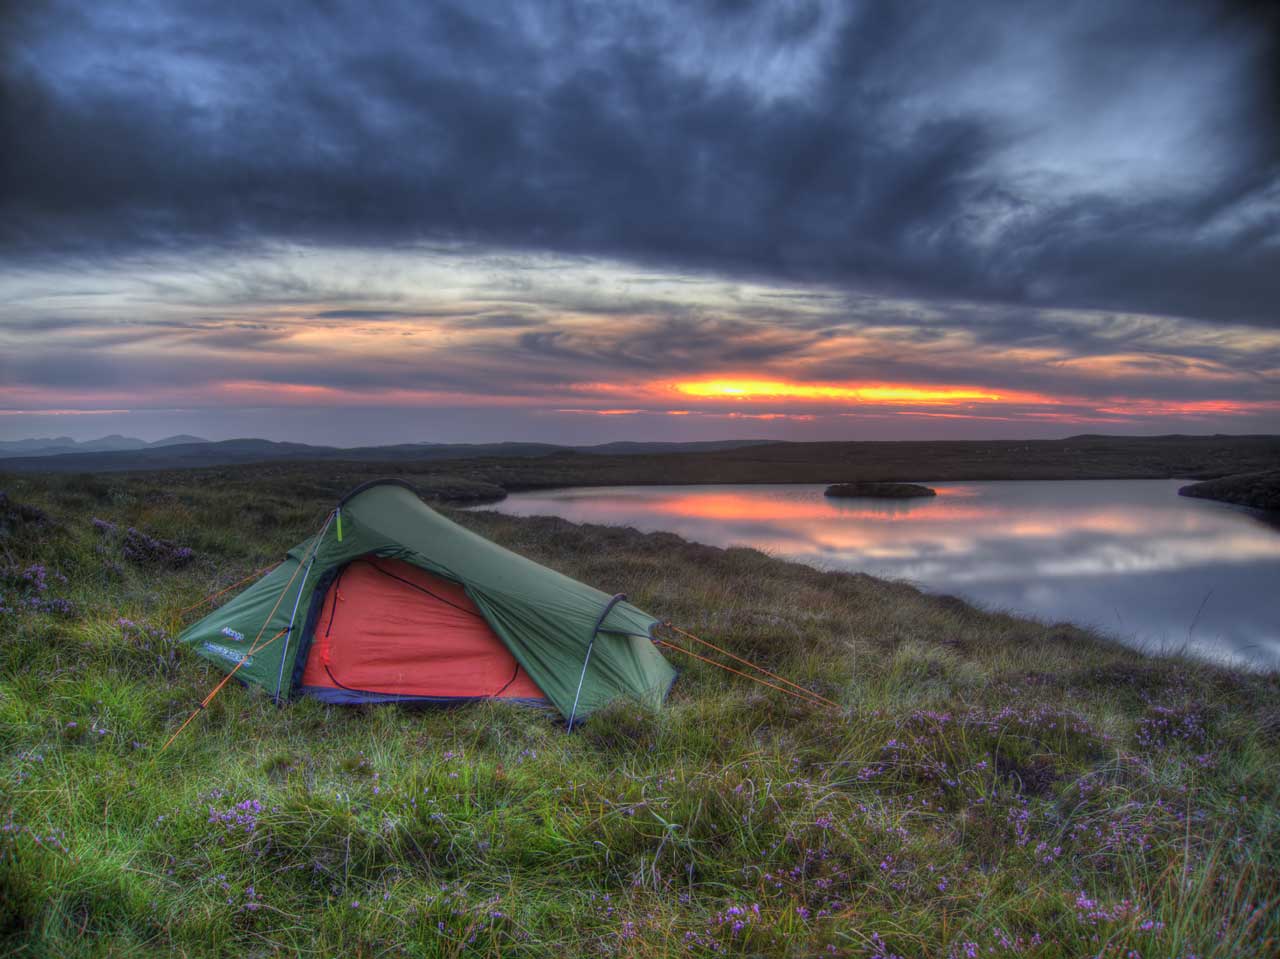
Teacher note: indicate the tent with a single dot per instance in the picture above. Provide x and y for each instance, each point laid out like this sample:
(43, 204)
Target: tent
(391, 602)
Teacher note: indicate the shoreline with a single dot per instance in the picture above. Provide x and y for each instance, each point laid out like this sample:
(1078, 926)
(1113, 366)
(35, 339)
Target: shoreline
(488, 499)
(1145, 646)
(1259, 492)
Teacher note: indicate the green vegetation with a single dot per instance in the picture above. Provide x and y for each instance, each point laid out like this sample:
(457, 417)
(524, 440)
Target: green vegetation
(1255, 490)
(990, 786)
(881, 490)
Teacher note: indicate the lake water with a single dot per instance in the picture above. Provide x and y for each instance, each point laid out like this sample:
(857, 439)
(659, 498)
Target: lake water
(1129, 557)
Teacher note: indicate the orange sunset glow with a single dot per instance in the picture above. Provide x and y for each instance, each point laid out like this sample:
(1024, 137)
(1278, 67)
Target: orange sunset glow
(864, 393)
(757, 398)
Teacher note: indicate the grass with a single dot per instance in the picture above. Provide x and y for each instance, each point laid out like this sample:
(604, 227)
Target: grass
(990, 786)
(1256, 490)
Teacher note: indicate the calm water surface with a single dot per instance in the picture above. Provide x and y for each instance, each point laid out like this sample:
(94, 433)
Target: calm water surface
(1130, 557)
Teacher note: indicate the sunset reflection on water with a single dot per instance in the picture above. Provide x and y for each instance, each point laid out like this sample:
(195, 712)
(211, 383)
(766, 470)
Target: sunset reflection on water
(1128, 556)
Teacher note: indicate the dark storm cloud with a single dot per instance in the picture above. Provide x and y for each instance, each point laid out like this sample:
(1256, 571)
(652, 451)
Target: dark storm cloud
(907, 146)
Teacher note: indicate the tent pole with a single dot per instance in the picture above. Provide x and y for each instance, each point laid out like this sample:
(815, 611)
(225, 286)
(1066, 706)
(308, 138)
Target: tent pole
(284, 653)
(614, 601)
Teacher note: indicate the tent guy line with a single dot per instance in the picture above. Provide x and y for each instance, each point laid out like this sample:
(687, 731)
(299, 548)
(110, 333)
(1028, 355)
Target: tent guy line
(226, 589)
(204, 703)
(737, 672)
(254, 648)
(719, 649)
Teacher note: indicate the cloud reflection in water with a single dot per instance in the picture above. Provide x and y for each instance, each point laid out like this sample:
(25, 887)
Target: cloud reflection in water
(1128, 556)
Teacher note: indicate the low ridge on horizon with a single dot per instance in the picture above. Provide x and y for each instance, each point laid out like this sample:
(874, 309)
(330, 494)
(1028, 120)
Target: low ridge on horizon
(50, 446)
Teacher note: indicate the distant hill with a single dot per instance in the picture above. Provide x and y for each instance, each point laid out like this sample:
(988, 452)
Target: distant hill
(185, 452)
(625, 448)
(58, 445)
(513, 466)
(179, 440)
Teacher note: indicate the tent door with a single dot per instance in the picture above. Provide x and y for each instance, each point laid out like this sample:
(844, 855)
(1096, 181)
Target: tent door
(387, 630)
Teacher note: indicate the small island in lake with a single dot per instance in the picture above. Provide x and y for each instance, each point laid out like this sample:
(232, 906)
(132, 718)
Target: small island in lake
(881, 490)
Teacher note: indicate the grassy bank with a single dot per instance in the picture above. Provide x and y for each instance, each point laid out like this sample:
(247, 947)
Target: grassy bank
(1254, 490)
(989, 786)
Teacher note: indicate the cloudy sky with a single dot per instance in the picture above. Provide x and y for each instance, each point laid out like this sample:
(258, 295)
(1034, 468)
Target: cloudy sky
(352, 223)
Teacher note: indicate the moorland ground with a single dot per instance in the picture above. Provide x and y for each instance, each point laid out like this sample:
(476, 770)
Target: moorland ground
(1259, 490)
(987, 785)
(526, 466)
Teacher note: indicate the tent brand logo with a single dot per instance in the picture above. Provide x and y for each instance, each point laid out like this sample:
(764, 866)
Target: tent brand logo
(228, 631)
(230, 654)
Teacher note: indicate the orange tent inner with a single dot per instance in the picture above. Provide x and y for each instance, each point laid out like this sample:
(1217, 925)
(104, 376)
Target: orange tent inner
(390, 628)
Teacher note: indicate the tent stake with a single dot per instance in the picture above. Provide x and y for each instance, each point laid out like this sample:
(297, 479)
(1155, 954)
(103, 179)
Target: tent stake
(618, 598)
